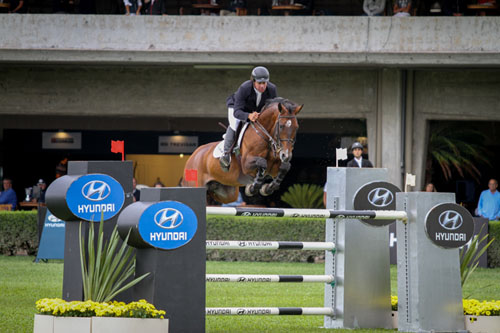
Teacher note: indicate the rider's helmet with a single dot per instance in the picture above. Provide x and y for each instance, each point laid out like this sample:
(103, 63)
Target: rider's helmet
(260, 74)
(357, 145)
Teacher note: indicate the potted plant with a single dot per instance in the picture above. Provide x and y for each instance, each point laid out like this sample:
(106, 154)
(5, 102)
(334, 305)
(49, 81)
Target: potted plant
(106, 266)
(58, 316)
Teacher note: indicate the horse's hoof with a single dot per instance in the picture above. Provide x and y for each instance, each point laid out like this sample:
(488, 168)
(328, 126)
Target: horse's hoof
(265, 190)
(249, 191)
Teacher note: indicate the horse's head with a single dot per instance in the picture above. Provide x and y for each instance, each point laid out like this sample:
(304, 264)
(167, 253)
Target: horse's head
(285, 129)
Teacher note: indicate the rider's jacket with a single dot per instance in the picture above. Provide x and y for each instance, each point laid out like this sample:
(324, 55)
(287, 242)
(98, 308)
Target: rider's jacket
(244, 99)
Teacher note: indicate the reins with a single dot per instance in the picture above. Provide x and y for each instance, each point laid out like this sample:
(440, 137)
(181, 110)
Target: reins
(274, 144)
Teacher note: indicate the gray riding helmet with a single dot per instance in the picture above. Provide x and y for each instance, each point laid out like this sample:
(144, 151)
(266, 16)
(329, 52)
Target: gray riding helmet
(260, 74)
(356, 145)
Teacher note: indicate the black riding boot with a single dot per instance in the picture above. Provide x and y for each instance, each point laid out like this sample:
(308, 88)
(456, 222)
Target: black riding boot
(225, 159)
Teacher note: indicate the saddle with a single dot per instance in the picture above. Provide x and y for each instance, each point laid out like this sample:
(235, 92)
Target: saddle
(219, 150)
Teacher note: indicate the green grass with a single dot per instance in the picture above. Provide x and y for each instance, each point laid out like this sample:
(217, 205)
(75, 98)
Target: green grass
(23, 282)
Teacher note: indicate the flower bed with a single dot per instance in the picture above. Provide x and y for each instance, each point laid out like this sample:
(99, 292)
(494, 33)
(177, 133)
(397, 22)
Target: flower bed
(56, 315)
(479, 316)
(61, 308)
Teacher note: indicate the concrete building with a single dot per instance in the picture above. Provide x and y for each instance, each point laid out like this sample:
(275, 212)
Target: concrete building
(173, 73)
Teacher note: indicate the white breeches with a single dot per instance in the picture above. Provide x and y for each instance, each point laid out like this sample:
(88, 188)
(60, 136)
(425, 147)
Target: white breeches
(233, 122)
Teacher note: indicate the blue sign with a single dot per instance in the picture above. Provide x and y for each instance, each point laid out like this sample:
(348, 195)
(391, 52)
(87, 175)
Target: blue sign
(52, 241)
(168, 225)
(94, 194)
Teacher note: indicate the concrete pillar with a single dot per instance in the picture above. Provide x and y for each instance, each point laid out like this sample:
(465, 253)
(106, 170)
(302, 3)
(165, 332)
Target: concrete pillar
(389, 135)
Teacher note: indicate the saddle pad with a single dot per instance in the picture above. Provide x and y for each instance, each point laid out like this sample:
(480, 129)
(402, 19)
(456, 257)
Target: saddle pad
(219, 149)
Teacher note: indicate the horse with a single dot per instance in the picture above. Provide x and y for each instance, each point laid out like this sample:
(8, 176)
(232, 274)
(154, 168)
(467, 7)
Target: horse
(265, 150)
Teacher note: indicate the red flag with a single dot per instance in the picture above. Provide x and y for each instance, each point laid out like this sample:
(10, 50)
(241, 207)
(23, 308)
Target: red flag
(191, 175)
(118, 147)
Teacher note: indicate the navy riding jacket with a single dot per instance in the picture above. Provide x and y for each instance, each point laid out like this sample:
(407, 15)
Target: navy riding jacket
(244, 99)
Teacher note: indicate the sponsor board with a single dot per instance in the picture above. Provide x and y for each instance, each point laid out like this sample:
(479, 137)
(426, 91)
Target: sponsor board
(376, 195)
(449, 225)
(94, 195)
(52, 240)
(168, 225)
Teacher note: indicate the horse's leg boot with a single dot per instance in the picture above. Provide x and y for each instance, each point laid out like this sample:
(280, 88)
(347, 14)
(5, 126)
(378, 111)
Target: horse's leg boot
(225, 159)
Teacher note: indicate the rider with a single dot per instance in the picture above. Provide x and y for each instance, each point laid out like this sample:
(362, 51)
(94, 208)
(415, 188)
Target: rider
(245, 105)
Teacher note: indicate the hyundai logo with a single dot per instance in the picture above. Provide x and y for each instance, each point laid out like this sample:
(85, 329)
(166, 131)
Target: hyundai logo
(450, 220)
(52, 218)
(168, 218)
(242, 244)
(241, 279)
(240, 311)
(380, 197)
(96, 190)
(246, 214)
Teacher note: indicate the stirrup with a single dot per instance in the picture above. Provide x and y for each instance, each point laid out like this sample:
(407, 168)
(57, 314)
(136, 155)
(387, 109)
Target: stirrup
(225, 162)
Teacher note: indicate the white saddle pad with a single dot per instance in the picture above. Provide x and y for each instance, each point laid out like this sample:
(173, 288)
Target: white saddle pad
(219, 149)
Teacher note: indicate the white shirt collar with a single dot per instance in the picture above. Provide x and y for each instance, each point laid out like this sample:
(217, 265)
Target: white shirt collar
(359, 160)
(259, 96)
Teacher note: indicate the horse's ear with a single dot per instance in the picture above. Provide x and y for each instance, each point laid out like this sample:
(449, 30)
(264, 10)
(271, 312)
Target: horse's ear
(281, 108)
(297, 109)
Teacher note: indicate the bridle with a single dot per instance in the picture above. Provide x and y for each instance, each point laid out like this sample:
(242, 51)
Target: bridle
(273, 141)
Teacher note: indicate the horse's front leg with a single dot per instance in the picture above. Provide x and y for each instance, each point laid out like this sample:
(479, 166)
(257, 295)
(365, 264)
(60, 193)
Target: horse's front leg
(260, 164)
(268, 189)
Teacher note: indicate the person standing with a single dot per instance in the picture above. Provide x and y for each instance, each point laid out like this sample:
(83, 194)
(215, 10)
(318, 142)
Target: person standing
(245, 105)
(489, 202)
(136, 192)
(8, 195)
(358, 161)
(39, 190)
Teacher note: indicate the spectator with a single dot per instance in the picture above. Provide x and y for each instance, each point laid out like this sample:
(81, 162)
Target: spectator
(430, 188)
(489, 202)
(155, 7)
(132, 7)
(373, 7)
(158, 183)
(62, 168)
(135, 192)
(402, 8)
(18, 7)
(38, 192)
(8, 195)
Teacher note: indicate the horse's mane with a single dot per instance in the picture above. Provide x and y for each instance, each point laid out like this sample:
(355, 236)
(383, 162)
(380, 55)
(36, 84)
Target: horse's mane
(285, 102)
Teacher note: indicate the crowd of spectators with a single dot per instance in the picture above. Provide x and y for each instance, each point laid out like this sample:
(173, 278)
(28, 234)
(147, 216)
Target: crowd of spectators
(256, 7)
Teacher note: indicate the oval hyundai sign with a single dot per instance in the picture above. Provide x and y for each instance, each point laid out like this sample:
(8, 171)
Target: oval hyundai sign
(449, 225)
(376, 195)
(168, 225)
(94, 195)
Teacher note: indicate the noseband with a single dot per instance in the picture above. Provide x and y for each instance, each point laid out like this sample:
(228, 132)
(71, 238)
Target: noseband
(273, 141)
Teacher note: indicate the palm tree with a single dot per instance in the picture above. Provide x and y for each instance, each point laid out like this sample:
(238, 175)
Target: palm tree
(457, 149)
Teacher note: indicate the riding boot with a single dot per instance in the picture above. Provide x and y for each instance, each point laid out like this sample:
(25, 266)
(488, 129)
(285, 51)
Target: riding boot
(225, 159)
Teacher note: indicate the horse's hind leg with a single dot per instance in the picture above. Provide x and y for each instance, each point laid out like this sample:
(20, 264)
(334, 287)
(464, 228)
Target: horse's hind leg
(222, 193)
(254, 188)
(268, 189)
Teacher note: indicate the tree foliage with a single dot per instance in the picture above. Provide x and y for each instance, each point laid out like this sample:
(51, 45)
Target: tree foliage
(456, 150)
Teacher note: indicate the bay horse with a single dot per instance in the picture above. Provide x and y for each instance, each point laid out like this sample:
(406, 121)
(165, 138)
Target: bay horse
(266, 149)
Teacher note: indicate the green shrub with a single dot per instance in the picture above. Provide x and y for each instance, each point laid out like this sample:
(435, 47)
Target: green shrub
(303, 196)
(267, 229)
(18, 231)
(494, 249)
